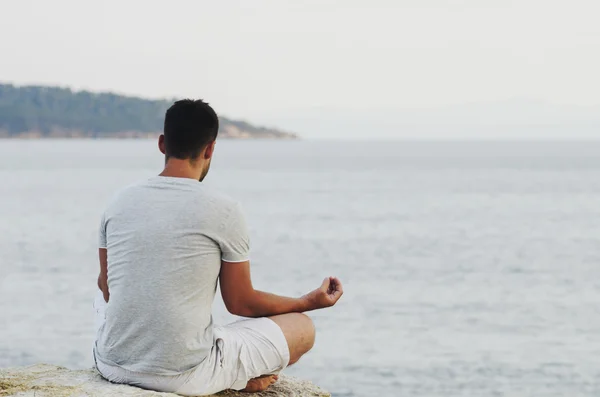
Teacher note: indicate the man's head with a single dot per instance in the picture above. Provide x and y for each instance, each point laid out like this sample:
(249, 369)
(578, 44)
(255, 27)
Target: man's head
(190, 131)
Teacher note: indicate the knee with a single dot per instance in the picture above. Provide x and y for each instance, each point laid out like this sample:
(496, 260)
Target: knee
(303, 336)
(309, 331)
(299, 332)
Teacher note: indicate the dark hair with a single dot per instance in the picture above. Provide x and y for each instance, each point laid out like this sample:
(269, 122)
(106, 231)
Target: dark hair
(190, 125)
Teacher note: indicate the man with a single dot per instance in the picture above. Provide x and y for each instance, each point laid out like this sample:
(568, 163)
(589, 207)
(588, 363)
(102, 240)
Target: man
(164, 244)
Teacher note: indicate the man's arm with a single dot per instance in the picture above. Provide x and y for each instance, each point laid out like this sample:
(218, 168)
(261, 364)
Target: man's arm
(103, 277)
(242, 299)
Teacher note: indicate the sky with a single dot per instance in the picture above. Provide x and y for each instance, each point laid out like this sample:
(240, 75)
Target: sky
(291, 62)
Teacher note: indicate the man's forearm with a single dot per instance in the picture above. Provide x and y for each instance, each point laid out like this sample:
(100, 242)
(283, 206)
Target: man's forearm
(264, 304)
(103, 277)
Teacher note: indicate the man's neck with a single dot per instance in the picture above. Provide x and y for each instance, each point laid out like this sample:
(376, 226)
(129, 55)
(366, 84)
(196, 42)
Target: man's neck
(177, 168)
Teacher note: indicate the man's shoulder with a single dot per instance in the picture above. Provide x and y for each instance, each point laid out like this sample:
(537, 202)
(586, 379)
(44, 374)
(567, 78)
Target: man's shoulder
(219, 198)
(128, 189)
(117, 197)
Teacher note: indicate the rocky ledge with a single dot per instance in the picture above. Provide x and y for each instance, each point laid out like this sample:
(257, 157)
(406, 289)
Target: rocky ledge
(44, 380)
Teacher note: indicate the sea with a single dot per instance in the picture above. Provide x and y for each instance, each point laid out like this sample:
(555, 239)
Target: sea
(469, 268)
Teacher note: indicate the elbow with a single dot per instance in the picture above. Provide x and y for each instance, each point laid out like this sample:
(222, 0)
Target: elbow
(239, 309)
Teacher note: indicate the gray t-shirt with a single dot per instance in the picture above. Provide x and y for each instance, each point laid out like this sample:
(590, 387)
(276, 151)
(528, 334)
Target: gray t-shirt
(165, 239)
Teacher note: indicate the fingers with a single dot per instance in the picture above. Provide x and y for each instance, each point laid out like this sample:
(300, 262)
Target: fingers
(329, 292)
(335, 284)
(337, 295)
(338, 285)
(336, 281)
(335, 289)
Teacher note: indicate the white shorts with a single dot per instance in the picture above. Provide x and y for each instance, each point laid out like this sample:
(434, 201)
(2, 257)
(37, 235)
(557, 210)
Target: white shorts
(241, 351)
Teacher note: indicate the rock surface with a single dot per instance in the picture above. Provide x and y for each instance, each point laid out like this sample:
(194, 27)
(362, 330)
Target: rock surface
(51, 381)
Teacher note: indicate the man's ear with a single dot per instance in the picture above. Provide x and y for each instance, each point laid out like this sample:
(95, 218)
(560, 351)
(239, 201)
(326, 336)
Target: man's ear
(161, 144)
(210, 149)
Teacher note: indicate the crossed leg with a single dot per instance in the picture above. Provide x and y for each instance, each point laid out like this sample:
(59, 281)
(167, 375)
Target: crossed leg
(299, 332)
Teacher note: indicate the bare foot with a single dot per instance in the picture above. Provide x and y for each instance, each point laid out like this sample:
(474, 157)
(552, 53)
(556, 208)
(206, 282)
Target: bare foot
(261, 383)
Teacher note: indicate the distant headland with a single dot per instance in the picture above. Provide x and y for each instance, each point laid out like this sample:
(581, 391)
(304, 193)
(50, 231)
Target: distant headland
(31, 112)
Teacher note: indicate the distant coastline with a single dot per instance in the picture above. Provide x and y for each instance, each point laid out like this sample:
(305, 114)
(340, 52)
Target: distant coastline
(223, 134)
(42, 112)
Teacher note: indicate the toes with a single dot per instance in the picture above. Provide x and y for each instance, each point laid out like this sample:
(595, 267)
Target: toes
(260, 384)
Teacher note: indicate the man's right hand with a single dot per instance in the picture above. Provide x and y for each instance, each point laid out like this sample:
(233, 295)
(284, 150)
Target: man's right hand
(326, 295)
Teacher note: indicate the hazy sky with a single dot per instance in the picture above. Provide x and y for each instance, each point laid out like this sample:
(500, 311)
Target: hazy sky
(259, 58)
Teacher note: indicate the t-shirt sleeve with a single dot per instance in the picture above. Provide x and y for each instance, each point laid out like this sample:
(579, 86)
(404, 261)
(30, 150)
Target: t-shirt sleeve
(234, 241)
(102, 232)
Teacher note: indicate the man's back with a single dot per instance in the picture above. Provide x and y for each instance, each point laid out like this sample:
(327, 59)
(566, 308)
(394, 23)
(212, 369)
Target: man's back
(166, 238)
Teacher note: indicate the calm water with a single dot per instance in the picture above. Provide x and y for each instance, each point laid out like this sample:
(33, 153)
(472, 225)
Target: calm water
(470, 269)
